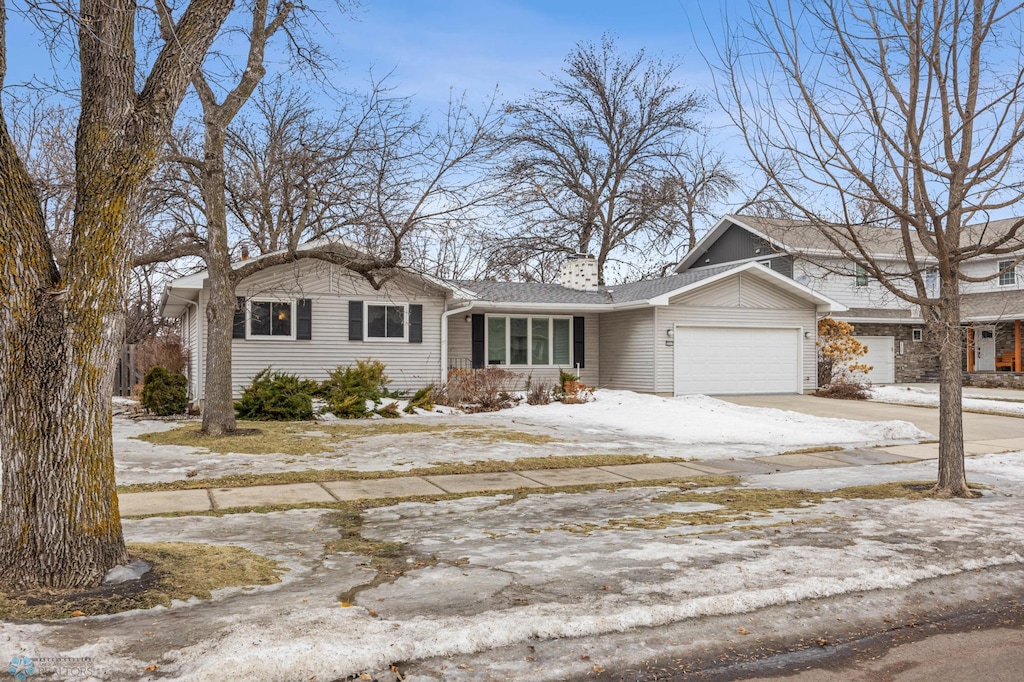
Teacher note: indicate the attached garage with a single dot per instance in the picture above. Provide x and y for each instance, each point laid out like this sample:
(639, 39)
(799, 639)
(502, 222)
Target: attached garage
(735, 360)
(882, 358)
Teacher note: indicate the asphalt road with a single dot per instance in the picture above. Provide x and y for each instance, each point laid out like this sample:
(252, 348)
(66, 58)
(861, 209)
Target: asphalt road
(984, 642)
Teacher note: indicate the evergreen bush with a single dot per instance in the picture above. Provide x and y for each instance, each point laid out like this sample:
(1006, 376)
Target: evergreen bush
(276, 396)
(349, 391)
(422, 399)
(164, 392)
(570, 390)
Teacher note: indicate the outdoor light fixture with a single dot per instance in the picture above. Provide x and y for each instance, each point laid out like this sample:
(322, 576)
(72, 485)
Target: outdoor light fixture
(807, 335)
(670, 332)
(468, 318)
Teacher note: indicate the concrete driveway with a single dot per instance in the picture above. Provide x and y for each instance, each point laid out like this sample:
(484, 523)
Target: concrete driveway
(977, 427)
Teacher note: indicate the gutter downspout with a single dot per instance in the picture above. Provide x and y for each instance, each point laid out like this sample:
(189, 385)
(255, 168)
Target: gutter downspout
(200, 369)
(444, 338)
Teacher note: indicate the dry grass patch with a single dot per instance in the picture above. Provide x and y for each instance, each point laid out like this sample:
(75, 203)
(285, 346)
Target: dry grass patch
(181, 570)
(311, 438)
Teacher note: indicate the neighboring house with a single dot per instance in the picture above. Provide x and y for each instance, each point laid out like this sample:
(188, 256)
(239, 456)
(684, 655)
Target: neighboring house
(739, 328)
(892, 328)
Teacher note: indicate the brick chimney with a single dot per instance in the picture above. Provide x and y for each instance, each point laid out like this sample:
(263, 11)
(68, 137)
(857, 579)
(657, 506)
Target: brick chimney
(580, 273)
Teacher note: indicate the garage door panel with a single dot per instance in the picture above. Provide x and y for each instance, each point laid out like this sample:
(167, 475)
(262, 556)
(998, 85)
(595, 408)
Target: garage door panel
(881, 356)
(726, 360)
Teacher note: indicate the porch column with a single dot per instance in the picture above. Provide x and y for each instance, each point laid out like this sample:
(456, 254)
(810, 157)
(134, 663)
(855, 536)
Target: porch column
(1016, 345)
(970, 347)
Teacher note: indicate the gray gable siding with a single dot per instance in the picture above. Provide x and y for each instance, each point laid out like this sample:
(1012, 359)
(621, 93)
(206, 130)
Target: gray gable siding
(737, 244)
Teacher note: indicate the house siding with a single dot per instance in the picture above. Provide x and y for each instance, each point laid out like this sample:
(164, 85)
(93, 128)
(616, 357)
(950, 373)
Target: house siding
(740, 301)
(735, 244)
(627, 350)
(460, 346)
(410, 366)
(190, 337)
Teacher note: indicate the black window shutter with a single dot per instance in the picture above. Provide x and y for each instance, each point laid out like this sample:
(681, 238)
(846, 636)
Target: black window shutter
(415, 323)
(478, 341)
(577, 342)
(355, 320)
(238, 325)
(304, 320)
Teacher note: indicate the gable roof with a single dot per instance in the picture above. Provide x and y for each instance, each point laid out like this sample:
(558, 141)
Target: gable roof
(181, 292)
(651, 292)
(801, 237)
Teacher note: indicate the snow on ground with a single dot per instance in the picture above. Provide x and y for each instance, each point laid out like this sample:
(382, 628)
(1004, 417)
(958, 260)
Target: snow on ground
(699, 419)
(616, 422)
(912, 395)
(519, 572)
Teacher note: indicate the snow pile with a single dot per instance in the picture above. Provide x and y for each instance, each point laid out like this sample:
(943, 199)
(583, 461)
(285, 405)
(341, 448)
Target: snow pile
(700, 419)
(130, 571)
(911, 395)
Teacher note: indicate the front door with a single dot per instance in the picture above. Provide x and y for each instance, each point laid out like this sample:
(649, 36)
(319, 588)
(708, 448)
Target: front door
(985, 349)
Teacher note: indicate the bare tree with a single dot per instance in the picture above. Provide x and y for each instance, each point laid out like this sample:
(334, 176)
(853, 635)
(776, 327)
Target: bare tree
(291, 173)
(599, 160)
(420, 182)
(907, 113)
(61, 325)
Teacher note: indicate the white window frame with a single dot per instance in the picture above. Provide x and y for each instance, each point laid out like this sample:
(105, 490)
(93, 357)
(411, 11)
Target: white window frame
(529, 339)
(385, 339)
(916, 335)
(860, 276)
(293, 303)
(1008, 270)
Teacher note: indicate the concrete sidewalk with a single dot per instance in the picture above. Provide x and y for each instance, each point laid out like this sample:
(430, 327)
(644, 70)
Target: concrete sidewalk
(213, 499)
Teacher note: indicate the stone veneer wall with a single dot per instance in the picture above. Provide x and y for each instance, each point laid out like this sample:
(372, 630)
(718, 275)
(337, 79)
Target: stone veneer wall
(995, 380)
(919, 361)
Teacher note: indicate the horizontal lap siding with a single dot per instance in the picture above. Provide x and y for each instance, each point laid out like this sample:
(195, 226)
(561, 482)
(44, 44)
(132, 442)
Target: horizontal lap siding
(410, 366)
(738, 301)
(627, 350)
(460, 350)
(190, 334)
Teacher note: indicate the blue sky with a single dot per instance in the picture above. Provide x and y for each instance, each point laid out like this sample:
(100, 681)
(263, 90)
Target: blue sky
(474, 46)
(465, 45)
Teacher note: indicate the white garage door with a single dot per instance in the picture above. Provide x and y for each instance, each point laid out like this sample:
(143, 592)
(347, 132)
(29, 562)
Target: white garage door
(724, 360)
(881, 358)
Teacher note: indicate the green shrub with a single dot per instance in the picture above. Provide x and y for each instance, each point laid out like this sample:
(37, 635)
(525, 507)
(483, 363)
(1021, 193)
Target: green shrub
(348, 389)
(422, 399)
(164, 392)
(276, 396)
(389, 411)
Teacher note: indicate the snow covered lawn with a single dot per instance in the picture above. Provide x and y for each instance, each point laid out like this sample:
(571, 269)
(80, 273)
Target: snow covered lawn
(500, 577)
(912, 395)
(617, 422)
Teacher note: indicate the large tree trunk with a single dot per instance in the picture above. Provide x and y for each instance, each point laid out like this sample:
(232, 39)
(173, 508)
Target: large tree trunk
(218, 405)
(952, 478)
(59, 520)
(60, 332)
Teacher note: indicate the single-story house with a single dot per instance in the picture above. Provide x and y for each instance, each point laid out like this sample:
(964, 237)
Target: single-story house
(735, 329)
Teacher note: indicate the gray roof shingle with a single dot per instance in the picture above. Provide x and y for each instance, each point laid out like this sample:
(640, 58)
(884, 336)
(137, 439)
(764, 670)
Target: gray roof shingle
(532, 292)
